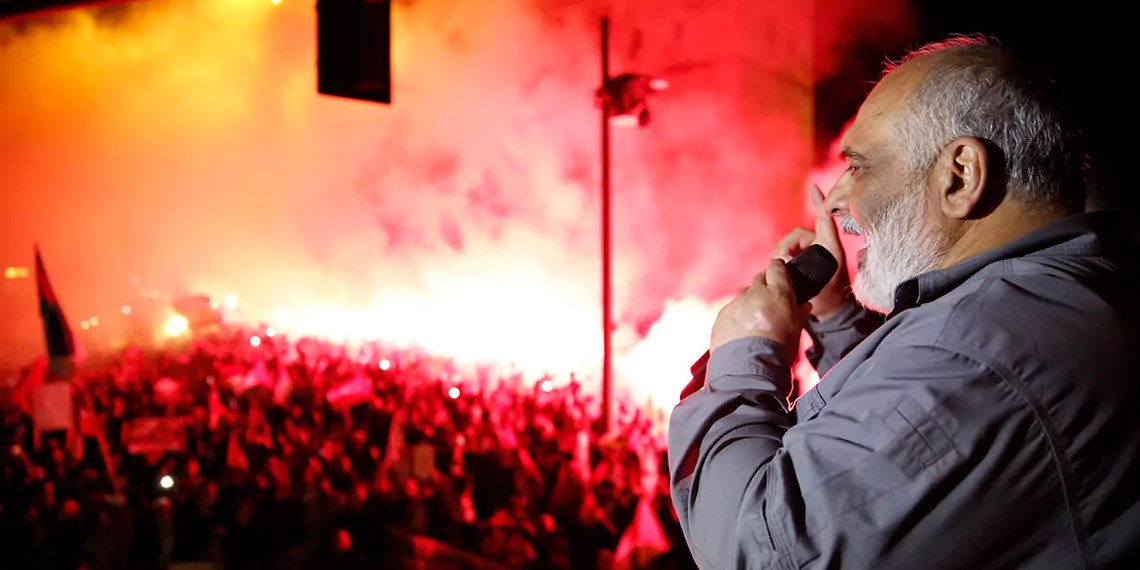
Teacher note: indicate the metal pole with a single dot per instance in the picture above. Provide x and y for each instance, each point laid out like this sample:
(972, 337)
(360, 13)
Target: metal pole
(607, 262)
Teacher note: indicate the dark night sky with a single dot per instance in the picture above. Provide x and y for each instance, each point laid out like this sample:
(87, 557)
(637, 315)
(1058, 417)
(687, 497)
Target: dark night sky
(1087, 44)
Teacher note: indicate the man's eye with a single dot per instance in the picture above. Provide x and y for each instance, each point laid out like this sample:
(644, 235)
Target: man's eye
(851, 169)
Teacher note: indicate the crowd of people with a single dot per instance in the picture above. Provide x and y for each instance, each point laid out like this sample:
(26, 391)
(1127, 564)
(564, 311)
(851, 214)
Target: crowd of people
(252, 451)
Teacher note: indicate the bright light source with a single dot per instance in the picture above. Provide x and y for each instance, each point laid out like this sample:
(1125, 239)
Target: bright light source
(16, 273)
(624, 121)
(231, 301)
(270, 332)
(546, 386)
(176, 326)
(126, 309)
(85, 325)
(255, 341)
(94, 321)
(453, 393)
(275, 2)
(166, 482)
(384, 364)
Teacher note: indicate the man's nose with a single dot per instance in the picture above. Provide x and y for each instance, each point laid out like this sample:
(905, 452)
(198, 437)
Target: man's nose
(837, 200)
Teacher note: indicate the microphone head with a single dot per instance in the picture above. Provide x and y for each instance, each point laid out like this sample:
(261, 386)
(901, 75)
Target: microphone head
(811, 270)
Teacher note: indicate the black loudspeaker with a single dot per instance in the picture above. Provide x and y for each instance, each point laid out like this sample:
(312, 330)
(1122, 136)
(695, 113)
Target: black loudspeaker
(354, 49)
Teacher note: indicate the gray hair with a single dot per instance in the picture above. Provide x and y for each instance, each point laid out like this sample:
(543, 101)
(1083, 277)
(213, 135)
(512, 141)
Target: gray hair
(973, 87)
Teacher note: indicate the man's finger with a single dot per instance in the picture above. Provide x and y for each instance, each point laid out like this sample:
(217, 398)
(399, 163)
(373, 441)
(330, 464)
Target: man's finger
(778, 278)
(760, 280)
(825, 229)
(816, 196)
(793, 243)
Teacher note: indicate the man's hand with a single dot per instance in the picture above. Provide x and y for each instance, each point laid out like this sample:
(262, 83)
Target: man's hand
(766, 309)
(835, 294)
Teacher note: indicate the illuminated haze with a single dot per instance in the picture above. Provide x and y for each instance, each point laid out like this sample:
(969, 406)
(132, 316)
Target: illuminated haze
(181, 147)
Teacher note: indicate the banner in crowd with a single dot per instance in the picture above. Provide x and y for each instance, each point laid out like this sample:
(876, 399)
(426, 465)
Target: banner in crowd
(154, 435)
(52, 406)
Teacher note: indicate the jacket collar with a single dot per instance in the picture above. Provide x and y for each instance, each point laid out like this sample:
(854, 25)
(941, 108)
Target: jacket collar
(1088, 234)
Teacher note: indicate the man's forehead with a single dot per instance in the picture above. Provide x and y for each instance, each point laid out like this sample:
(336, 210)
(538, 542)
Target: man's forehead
(863, 133)
(877, 114)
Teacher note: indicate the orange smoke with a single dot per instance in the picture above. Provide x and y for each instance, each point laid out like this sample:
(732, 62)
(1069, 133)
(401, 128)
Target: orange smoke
(179, 146)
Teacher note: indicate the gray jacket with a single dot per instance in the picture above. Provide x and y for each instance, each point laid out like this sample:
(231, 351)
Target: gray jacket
(992, 421)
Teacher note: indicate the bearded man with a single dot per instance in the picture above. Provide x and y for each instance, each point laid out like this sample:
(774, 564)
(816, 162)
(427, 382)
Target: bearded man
(990, 420)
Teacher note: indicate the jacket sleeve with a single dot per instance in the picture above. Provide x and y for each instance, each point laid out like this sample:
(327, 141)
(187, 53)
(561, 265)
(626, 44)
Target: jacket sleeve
(913, 464)
(834, 338)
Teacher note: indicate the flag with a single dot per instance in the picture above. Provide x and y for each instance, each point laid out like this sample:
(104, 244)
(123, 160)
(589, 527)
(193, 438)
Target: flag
(581, 456)
(20, 394)
(235, 455)
(396, 456)
(395, 449)
(89, 424)
(650, 464)
(60, 341)
(217, 409)
(284, 388)
(257, 430)
(358, 390)
(257, 377)
(643, 541)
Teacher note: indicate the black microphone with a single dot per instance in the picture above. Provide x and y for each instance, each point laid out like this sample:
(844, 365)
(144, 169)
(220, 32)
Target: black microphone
(811, 270)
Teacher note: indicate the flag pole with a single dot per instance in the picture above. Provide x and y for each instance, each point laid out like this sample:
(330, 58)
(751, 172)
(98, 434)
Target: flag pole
(100, 435)
(607, 250)
(61, 350)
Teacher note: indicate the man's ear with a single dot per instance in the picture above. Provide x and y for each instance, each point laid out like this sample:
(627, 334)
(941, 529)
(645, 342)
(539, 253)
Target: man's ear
(960, 177)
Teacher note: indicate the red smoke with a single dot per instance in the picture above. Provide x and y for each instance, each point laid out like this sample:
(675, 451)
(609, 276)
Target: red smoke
(181, 147)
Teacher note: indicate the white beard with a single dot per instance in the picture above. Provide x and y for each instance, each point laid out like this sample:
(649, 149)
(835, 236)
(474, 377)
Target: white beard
(900, 247)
